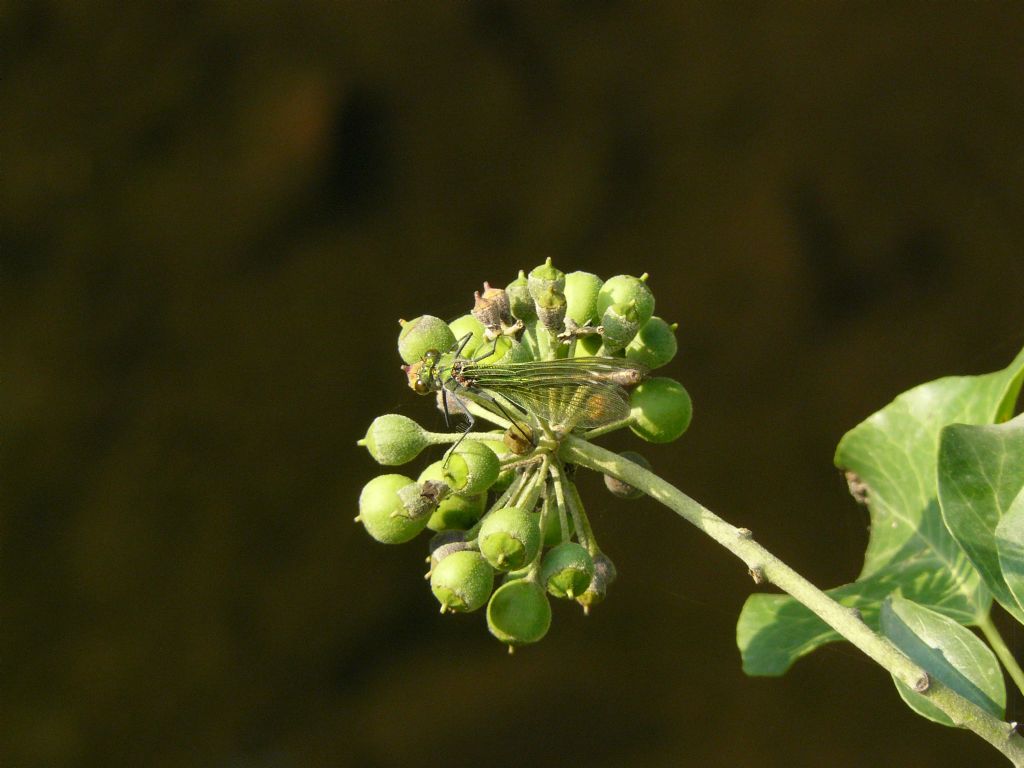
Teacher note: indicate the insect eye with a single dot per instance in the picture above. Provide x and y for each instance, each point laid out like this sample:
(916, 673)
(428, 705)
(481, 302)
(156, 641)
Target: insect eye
(432, 356)
(420, 387)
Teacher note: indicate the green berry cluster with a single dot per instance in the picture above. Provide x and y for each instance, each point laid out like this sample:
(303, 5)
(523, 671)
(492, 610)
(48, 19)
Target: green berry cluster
(510, 529)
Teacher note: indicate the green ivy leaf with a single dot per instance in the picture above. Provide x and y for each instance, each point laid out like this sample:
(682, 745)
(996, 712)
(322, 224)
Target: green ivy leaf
(1010, 546)
(948, 652)
(894, 454)
(981, 471)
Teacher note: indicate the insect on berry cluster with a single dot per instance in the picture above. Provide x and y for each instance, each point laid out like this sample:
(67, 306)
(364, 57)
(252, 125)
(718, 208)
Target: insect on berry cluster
(550, 358)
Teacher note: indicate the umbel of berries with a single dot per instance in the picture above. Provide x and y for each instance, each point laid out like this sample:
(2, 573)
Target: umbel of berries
(548, 363)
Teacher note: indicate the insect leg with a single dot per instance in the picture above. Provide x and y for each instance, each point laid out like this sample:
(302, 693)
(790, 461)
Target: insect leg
(444, 404)
(493, 349)
(514, 423)
(461, 344)
(466, 431)
(504, 412)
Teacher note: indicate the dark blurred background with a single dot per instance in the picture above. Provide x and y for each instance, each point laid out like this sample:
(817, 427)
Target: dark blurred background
(214, 214)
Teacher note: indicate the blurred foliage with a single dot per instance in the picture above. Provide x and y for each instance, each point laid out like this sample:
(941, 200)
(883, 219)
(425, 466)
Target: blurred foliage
(213, 213)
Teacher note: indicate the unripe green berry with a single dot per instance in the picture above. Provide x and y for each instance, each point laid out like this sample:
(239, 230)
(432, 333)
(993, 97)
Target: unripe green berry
(462, 581)
(551, 306)
(440, 553)
(498, 443)
(661, 410)
(622, 289)
(433, 471)
(543, 278)
(552, 529)
(495, 350)
(519, 353)
(566, 570)
(458, 513)
(625, 490)
(506, 476)
(581, 290)
(381, 511)
(588, 346)
(510, 537)
(551, 523)
(455, 512)
(472, 469)
(620, 323)
(507, 351)
(654, 344)
(424, 333)
(519, 612)
(393, 439)
(519, 299)
(467, 324)
(503, 351)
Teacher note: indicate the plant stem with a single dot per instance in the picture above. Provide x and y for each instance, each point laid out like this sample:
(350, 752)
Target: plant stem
(485, 414)
(576, 504)
(604, 430)
(766, 566)
(521, 481)
(988, 629)
(560, 496)
(443, 438)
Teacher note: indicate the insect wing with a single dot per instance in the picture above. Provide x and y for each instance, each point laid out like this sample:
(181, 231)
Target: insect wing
(578, 393)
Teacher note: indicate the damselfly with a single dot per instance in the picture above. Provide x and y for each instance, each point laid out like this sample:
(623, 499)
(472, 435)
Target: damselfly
(569, 394)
